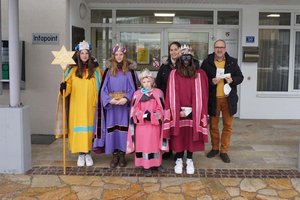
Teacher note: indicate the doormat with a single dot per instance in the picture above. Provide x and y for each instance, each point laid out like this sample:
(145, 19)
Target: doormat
(42, 139)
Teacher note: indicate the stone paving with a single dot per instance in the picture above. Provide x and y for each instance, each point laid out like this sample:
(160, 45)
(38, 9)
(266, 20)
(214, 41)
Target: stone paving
(55, 187)
(264, 156)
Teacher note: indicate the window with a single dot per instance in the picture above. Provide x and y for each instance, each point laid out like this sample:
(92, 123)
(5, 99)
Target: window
(180, 17)
(228, 17)
(143, 47)
(297, 62)
(298, 19)
(274, 18)
(101, 16)
(102, 44)
(273, 65)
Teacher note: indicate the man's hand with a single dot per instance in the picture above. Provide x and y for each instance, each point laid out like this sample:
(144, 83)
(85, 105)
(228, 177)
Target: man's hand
(228, 80)
(216, 81)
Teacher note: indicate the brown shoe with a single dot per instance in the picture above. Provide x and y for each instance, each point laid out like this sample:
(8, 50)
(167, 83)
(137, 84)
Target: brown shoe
(114, 161)
(122, 162)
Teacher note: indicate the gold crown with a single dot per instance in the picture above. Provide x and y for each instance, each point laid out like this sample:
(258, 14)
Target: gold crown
(186, 49)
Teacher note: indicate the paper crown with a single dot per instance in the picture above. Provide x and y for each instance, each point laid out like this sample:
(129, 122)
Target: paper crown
(83, 45)
(118, 47)
(186, 49)
(145, 73)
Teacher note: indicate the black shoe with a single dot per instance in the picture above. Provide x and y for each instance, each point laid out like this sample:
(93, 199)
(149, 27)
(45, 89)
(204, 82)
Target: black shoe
(225, 157)
(115, 160)
(122, 161)
(167, 155)
(147, 172)
(212, 153)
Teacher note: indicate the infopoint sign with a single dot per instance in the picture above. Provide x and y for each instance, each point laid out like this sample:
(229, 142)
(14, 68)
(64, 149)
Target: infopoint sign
(45, 38)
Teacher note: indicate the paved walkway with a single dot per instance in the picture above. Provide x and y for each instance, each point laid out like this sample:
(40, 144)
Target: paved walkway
(54, 187)
(264, 158)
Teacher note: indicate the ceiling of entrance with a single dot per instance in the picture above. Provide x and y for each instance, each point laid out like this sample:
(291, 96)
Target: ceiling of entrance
(248, 2)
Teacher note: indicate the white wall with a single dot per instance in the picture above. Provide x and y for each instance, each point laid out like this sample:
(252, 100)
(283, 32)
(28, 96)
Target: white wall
(252, 104)
(75, 19)
(42, 78)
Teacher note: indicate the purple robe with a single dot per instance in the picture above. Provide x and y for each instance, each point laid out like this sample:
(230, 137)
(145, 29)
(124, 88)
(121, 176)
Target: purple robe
(114, 118)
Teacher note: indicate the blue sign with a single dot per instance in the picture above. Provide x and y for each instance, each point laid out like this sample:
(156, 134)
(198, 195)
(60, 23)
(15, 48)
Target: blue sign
(250, 39)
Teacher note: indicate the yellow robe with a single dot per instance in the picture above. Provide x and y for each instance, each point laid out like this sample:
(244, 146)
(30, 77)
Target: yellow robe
(82, 107)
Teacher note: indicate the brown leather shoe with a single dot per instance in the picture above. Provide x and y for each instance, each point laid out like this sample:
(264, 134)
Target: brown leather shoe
(122, 162)
(114, 161)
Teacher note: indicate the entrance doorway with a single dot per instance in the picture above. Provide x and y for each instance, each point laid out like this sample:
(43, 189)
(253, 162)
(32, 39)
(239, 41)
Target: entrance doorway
(149, 47)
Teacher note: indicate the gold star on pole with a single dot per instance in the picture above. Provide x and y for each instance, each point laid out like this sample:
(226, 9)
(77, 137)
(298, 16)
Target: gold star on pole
(63, 57)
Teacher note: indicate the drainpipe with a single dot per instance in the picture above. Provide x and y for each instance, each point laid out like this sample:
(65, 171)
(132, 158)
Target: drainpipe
(14, 55)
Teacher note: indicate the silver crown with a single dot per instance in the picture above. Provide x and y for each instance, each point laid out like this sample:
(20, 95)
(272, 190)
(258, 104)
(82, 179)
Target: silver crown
(146, 73)
(186, 49)
(83, 45)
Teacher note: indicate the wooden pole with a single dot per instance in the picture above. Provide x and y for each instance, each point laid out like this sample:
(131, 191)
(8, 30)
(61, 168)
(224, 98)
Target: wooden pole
(64, 128)
(63, 58)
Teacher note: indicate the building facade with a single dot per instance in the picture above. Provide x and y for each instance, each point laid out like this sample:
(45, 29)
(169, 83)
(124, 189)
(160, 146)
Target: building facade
(263, 35)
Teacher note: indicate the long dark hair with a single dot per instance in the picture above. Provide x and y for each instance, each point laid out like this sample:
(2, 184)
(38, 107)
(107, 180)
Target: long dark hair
(189, 71)
(169, 47)
(90, 64)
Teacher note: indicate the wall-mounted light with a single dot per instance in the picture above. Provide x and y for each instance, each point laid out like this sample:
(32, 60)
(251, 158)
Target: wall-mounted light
(273, 15)
(164, 14)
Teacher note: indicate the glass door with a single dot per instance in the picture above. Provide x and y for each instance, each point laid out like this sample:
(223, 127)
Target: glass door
(198, 41)
(143, 46)
(149, 46)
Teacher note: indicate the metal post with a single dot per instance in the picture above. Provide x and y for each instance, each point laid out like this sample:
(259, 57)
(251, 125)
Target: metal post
(14, 53)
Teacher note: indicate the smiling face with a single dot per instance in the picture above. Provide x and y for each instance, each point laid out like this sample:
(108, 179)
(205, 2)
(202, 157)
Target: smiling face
(119, 56)
(174, 52)
(147, 83)
(219, 49)
(84, 55)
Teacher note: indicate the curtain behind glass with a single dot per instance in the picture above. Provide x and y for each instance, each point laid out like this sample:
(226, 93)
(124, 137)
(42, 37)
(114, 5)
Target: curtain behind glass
(273, 65)
(297, 62)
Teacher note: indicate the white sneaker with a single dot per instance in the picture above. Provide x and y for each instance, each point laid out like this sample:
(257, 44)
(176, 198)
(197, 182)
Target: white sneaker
(88, 160)
(81, 160)
(178, 166)
(190, 169)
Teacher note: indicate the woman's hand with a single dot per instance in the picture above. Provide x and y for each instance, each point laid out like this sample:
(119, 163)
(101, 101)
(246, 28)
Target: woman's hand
(113, 101)
(122, 101)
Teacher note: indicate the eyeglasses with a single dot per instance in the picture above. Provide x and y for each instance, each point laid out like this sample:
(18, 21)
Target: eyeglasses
(219, 47)
(186, 57)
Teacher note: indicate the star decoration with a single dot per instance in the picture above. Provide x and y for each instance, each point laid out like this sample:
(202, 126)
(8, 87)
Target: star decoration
(63, 57)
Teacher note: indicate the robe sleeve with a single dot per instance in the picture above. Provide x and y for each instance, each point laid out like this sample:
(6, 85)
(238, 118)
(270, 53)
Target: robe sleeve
(130, 89)
(157, 114)
(105, 98)
(167, 114)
